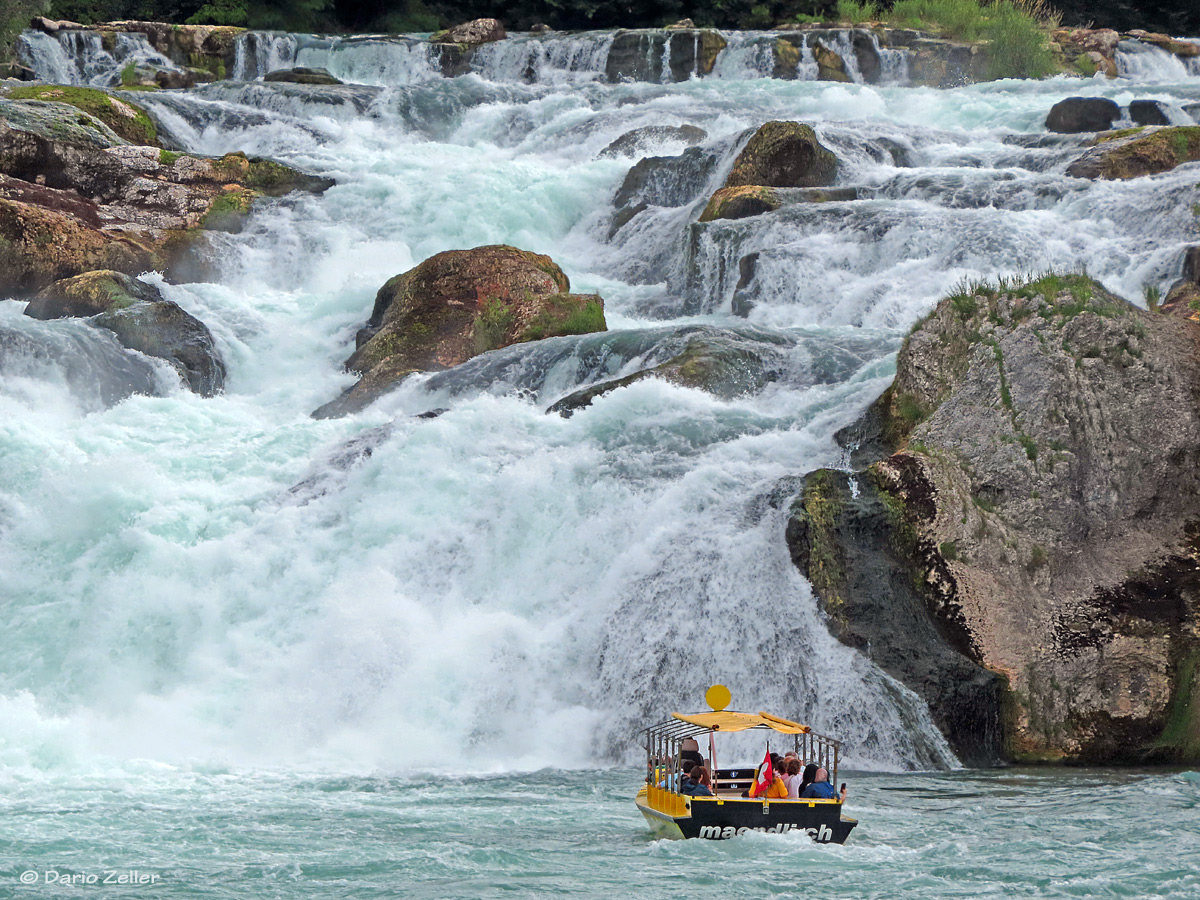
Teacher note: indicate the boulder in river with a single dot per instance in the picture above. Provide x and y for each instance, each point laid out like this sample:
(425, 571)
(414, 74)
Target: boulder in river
(477, 31)
(302, 75)
(1137, 152)
(784, 154)
(655, 54)
(127, 120)
(456, 305)
(141, 320)
(1038, 521)
(1148, 112)
(740, 203)
(1077, 115)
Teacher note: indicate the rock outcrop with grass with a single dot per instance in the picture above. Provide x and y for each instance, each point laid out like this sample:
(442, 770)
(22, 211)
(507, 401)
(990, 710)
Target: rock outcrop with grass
(456, 305)
(1137, 152)
(1027, 560)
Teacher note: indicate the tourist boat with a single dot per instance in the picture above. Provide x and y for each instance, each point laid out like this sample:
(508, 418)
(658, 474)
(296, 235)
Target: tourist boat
(729, 813)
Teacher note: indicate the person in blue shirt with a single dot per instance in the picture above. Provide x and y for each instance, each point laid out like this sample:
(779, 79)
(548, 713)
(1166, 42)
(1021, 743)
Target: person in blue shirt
(820, 789)
(698, 783)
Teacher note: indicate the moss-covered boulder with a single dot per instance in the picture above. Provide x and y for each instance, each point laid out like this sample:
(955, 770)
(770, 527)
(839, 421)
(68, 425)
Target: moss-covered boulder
(456, 305)
(784, 154)
(125, 119)
(1147, 151)
(141, 320)
(741, 202)
(90, 294)
(787, 57)
(302, 75)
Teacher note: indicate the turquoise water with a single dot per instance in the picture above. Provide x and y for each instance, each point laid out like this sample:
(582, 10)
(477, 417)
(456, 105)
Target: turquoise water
(999, 834)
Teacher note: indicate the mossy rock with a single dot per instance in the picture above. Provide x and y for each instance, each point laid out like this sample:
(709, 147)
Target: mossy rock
(784, 154)
(229, 210)
(740, 202)
(56, 122)
(90, 294)
(125, 119)
(1150, 153)
(787, 58)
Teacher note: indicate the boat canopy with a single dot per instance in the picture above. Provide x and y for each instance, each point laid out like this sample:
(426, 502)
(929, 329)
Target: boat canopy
(728, 720)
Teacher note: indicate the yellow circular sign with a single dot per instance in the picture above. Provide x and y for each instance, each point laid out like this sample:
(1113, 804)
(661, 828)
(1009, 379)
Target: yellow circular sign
(718, 697)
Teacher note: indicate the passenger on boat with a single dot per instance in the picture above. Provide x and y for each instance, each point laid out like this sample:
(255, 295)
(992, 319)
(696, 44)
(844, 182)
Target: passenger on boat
(698, 783)
(810, 772)
(776, 790)
(671, 782)
(820, 789)
(690, 749)
(793, 778)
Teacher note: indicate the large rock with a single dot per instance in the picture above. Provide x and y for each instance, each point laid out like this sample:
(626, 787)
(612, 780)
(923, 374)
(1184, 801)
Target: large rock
(784, 154)
(456, 305)
(477, 31)
(141, 319)
(75, 197)
(938, 63)
(1043, 512)
(1141, 152)
(1076, 115)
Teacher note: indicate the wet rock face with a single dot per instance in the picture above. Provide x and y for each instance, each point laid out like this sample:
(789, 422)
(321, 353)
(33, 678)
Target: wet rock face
(1077, 115)
(1045, 504)
(784, 154)
(840, 536)
(141, 320)
(1124, 156)
(456, 305)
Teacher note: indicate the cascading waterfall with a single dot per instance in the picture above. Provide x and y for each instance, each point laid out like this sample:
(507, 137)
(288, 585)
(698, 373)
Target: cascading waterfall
(230, 581)
(80, 57)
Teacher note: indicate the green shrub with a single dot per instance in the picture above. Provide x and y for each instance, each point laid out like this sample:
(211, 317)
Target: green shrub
(1019, 47)
(856, 13)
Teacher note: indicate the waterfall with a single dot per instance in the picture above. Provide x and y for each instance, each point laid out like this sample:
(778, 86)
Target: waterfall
(1139, 61)
(258, 52)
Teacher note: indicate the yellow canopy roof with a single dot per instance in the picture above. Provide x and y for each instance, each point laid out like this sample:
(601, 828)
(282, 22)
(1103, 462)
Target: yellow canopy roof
(727, 720)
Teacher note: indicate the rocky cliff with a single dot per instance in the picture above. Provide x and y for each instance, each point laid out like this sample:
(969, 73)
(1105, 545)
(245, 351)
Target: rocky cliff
(1027, 559)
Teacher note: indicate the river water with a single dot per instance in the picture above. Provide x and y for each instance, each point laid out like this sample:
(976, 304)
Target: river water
(255, 653)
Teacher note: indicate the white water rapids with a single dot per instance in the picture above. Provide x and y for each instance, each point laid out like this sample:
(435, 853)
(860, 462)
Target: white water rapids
(230, 581)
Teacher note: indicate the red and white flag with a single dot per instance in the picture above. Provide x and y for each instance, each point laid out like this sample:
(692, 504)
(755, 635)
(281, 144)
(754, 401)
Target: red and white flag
(766, 777)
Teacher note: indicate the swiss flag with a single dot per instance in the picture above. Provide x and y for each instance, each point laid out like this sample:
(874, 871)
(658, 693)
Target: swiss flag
(766, 777)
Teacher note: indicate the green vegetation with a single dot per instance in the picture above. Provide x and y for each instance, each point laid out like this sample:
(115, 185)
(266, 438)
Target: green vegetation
(493, 323)
(1018, 30)
(14, 18)
(949, 551)
(819, 509)
(856, 13)
(127, 120)
(1153, 297)
(1182, 732)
